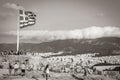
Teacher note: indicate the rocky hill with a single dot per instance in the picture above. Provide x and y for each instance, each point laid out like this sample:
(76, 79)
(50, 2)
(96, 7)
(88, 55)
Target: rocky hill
(104, 46)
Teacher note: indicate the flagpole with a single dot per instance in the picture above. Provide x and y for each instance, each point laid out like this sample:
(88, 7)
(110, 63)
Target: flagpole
(18, 31)
(30, 16)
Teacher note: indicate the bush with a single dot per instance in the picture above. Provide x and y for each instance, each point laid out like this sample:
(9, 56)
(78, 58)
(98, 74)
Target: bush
(1, 66)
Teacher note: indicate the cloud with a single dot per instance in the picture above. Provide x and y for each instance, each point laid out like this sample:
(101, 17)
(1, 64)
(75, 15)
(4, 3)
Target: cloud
(87, 33)
(12, 6)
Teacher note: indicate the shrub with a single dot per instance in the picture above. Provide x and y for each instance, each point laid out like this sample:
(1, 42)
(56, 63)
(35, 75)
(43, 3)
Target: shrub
(1, 66)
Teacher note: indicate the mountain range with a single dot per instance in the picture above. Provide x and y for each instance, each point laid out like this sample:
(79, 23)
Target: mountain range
(104, 46)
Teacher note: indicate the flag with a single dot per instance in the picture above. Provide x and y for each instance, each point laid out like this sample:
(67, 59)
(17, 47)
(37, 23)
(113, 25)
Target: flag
(26, 18)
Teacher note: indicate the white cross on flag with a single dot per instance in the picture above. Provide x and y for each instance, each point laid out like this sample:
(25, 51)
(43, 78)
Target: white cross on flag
(27, 18)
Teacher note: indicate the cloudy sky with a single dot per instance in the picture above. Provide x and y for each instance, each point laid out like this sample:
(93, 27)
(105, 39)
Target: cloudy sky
(60, 19)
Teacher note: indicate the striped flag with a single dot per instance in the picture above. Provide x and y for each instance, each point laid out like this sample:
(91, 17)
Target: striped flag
(27, 18)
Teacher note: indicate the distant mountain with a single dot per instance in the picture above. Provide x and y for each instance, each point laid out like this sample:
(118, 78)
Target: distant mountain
(104, 46)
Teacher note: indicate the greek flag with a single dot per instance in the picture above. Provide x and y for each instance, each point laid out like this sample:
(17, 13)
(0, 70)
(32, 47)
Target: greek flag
(26, 18)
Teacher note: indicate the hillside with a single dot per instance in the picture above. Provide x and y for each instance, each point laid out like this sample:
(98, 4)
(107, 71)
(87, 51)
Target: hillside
(104, 46)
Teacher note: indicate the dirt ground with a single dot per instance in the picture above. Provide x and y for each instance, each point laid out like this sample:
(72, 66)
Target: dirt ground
(37, 75)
